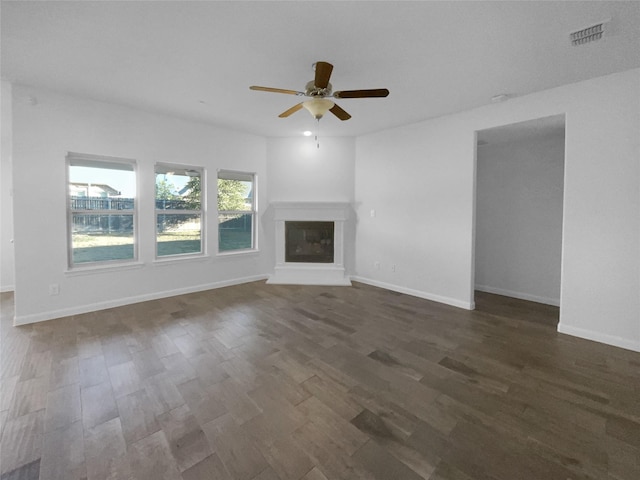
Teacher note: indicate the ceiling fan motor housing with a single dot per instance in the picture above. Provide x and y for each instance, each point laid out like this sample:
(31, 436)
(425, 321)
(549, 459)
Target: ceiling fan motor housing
(312, 91)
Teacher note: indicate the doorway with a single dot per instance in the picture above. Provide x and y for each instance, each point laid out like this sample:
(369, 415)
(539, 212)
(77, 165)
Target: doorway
(519, 210)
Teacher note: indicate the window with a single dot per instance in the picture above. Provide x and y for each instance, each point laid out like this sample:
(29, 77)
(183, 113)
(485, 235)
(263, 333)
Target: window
(101, 209)
(236, 211)
(179, 218)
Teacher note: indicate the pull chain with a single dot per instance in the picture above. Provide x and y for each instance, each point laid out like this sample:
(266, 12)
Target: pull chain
(318, 133)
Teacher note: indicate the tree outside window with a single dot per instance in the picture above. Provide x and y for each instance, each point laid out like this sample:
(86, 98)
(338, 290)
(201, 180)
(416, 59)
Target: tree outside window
(236, 211)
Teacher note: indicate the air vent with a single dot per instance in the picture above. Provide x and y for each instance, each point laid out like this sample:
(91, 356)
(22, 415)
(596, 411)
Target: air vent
(588, 34)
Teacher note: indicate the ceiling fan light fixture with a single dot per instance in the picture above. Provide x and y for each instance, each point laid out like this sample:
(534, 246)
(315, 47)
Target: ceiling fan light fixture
(318, 106)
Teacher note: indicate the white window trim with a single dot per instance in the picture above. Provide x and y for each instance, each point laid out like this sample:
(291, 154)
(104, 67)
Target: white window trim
(94, 161)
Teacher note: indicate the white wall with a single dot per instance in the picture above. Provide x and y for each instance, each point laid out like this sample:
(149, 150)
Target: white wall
(42, 136)
(420, 181)
(300, 172)
(7, 265)
(519, 218)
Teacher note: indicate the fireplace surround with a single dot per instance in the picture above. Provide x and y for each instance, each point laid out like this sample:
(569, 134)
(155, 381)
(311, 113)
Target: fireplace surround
(309, 243)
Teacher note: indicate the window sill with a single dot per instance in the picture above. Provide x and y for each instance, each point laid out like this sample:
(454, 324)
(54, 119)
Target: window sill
(236, 253)
(180, 259)
(92, 269)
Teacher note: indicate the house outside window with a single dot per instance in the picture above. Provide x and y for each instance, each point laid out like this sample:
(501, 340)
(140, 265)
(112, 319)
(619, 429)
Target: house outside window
(236, 211)
(179, 213)
(101, 210)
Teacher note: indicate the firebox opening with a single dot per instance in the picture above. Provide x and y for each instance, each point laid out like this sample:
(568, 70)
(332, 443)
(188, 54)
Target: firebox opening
(309, 242)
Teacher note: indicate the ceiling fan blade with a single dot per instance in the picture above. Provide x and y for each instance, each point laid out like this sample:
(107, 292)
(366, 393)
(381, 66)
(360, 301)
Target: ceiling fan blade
(323, 73)
(376, 92)
(275, 90)
(339, 112)
(293, 109)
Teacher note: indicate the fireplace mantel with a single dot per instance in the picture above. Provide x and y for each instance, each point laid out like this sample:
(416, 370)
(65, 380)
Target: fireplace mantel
(310, 273)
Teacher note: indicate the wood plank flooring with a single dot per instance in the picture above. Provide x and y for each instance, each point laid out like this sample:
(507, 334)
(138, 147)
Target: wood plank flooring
(267, 382)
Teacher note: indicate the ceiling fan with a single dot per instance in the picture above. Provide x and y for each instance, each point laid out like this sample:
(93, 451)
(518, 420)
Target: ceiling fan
(320, 91)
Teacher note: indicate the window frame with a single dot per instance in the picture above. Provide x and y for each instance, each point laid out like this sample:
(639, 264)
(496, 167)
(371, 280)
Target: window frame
(201, 212)
(225, 174)
(99, 161)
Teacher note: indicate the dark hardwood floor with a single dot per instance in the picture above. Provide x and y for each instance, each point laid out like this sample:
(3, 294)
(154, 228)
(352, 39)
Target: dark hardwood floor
(265, 382)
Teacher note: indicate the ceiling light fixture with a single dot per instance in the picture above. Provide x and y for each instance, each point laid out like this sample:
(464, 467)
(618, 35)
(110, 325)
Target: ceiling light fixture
(318, 107)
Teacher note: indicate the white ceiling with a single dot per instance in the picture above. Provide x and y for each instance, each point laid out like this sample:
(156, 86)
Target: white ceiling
(196, 60)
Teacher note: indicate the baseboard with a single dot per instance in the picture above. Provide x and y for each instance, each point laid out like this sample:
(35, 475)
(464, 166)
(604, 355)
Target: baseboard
(600, 337)
(306, 274)
(7, 288)
(415, 293)
(522, 296)
(65, 312)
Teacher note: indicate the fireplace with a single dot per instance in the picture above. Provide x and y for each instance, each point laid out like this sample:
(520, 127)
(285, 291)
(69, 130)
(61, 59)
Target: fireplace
(309, 243)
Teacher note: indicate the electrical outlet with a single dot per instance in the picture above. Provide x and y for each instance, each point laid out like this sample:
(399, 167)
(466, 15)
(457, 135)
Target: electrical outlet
(54, 289)
(376, 265)
(372, 213)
